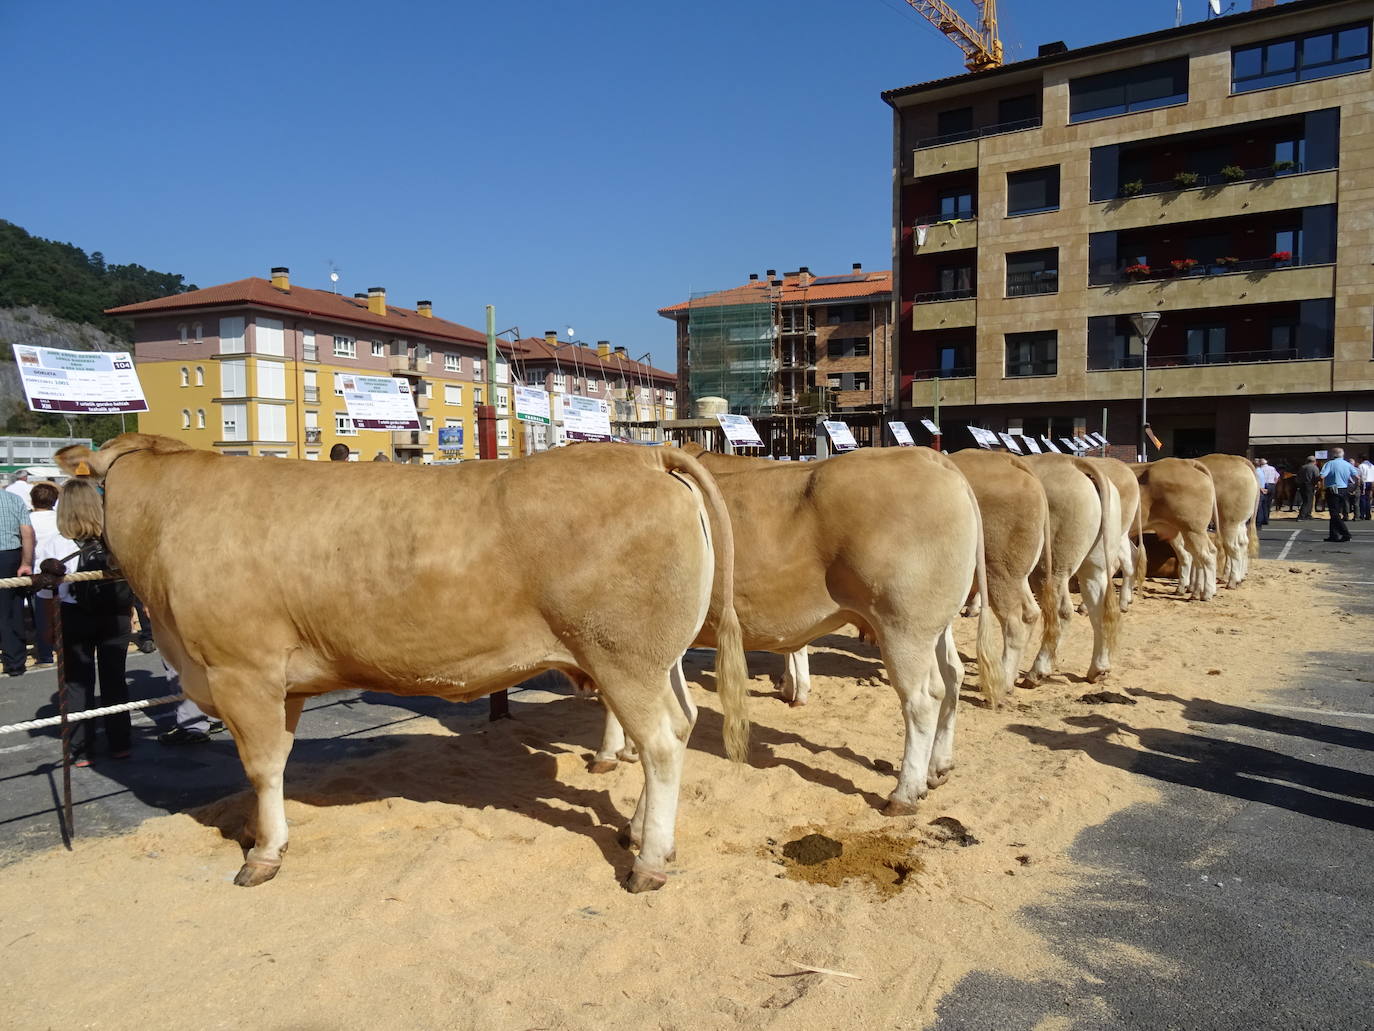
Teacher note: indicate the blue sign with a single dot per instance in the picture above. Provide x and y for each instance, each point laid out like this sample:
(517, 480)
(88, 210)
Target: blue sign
(451, 438)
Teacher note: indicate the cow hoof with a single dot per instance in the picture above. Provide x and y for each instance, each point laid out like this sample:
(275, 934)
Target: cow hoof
(602, 765)
(255, 872)
(896, 808)
(644, 880)
(796, 703)
(1094, 675)
(938, 778)
(627, 757)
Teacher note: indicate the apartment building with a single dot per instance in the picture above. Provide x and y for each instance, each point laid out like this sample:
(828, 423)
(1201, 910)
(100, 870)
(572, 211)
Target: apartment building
(1220, 174)
(637, 392)
(255, 367)
(790, 344)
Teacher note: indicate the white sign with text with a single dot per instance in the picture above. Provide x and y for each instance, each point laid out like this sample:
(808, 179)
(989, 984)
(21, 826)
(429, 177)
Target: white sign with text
(379, 402)
(586, 418)
(841, 439)
(901, 434)
(79, 381)
(739, 431)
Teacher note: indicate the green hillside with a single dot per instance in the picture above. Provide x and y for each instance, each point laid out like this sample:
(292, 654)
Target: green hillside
(63, 279)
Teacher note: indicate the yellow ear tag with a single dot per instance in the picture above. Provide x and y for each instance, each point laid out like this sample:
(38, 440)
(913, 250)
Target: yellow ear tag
(82, 469)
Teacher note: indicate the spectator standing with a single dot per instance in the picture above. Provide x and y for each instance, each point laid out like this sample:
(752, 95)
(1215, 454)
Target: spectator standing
(44, 500)
(16, 559)
(96, 619)
(1267, 476)
(20, 486)
(1308, 478)
(1339, 476)
(1366, 468)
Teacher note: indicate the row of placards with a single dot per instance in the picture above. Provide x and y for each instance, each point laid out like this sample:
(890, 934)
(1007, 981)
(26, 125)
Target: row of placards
(1023, 445)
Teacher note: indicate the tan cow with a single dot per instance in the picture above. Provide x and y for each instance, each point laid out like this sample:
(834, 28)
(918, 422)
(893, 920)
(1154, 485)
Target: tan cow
(1018, 538)
(270, 582)
(1177, 502)
(1132, 547)
(883, 538)
(1237, 489)
(1085, 516)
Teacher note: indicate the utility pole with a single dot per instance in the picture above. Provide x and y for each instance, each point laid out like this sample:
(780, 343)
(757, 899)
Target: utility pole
(938, 438)
(498, 703)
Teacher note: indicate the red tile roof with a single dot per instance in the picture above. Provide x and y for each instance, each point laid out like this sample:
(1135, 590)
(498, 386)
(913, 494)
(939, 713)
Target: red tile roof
(869, 284)
(303, 300)
(537, 350)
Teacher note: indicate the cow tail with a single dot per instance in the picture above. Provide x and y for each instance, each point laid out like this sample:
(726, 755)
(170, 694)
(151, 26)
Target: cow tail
(1047, 596)
(1252, 531)
(1110, 532)
(1140, 555)
(732, 672)
(989, 664)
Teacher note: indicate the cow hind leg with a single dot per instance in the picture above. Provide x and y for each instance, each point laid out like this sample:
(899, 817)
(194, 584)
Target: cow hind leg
(1128, 558)
(910, 661)
(1202, 583)
(1043, 665)
(263, 725)
(950, 670)
(659, 722)
(614, 747)
(1095, 584)
(1185, 565)
(796, 677)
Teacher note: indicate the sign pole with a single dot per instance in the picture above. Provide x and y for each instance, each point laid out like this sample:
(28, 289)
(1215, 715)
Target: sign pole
(498, 703)
(1105, 438)
(937, 438)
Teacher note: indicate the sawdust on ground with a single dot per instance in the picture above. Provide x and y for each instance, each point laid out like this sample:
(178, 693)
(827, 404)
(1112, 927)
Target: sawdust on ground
(463, 875)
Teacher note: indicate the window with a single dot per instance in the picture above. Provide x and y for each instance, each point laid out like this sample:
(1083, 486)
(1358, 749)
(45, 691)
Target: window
(502, 370)
(955, 281)
(308, 345)
(231, 335)
(200, 418)
(1018, 110)
(378, 349)
(503, 434)
(271, 422)
(1034, 190)
(453, 363)
(271, 380)
(502, 401)
(233, 379)
(268, 337)
(235, 422)
(200, 375)
(860, 381)
(185, 419)
(1033, 354)
(453, 393)
(345, 347)
(477, 368)
(956, 204)
(1316, 55)
(343, 425)
(861, 347)
(958, 122)
(185, 376)
(1205, 344)
(312, 420)
(834, 382)
(1033, 272)
(196, 334)
(181, 329)
(1130, 89)
(559, 381)
(955, 360)
(834, 347)
(338, 383)
(476, 395)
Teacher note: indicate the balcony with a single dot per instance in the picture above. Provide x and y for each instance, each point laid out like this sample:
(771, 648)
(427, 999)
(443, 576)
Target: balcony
(921, 392)
(312, 434)
(1280, 354)
(408, 440)
(961, 294)
(1197, 181)
(422, 402)
(953, 372)
(951, 314)
(1207, 289)
(943, 233)
(937, 159)
(976, 134)
(401, 364)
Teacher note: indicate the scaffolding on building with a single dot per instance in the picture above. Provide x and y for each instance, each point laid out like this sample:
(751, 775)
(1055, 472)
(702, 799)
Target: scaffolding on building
(732, 349)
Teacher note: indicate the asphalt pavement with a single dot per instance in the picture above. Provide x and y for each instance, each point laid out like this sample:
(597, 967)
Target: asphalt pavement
(1244, 899)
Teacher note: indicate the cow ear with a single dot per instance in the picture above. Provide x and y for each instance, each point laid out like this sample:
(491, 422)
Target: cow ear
(79, 460)
(74, 460)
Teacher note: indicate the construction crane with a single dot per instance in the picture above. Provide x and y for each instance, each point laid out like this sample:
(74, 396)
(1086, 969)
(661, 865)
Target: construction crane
(982, 49)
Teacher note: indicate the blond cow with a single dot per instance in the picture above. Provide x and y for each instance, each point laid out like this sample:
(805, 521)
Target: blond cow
(1085, 517)
(1177, 502)
(1233, 478)
(888, 539)
(270, 582)
(1132, 552)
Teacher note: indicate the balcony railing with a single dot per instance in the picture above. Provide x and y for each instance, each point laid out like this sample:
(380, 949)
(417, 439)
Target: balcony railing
(312, 435)
(1209, 268)
(1028, 284)
(1136, 188)
(974, 134)
(407, 439)
(402, 363)
(1273, 354)
(954, 372)
(955, 216)
(961, 294)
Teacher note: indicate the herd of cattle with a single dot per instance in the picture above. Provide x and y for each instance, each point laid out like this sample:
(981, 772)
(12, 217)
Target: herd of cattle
(269, 582)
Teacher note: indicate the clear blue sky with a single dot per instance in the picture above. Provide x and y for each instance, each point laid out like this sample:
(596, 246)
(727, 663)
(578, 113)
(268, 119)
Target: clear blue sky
(572, 163)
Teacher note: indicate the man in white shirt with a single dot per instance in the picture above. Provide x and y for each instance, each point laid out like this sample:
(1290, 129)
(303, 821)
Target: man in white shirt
(1366, 469)
(1267, 476)
(20, 485)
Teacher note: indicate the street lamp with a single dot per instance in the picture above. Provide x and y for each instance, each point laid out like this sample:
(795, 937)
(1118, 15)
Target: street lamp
(1144, 324)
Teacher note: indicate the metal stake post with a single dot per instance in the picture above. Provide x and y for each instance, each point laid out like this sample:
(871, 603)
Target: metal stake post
(55, 618)
(498, 703)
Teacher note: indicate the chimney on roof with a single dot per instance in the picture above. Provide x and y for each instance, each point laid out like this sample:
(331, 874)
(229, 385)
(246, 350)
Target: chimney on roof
(1050, 49)
(620, 352)
(772, 273)
(775, 282)
(359, 293)
(424, 308)
(753, 277)
(1260, 5)
(804, 276)
(603, 348)
(281, 279)
(551, 337)
(376, 300)
(858, 266)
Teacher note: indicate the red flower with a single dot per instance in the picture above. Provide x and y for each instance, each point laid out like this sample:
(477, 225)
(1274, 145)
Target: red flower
(1182, 264)
(1281, 255)
(1137, 270)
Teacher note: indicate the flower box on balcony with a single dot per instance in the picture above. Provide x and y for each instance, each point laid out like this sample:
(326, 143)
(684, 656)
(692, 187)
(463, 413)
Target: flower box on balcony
(1281, 257)
(1138, 271)
(1227, 263)
(1187, 180)
(1184, 265)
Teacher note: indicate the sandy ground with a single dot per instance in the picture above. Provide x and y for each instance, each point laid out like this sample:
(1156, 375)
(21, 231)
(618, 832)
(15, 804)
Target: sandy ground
(465, 875)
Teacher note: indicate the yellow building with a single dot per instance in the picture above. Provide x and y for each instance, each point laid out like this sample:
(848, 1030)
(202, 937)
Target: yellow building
(256, 367)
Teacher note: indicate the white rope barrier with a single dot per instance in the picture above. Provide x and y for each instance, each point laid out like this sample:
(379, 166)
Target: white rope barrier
(94, 574)
(90, 714)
